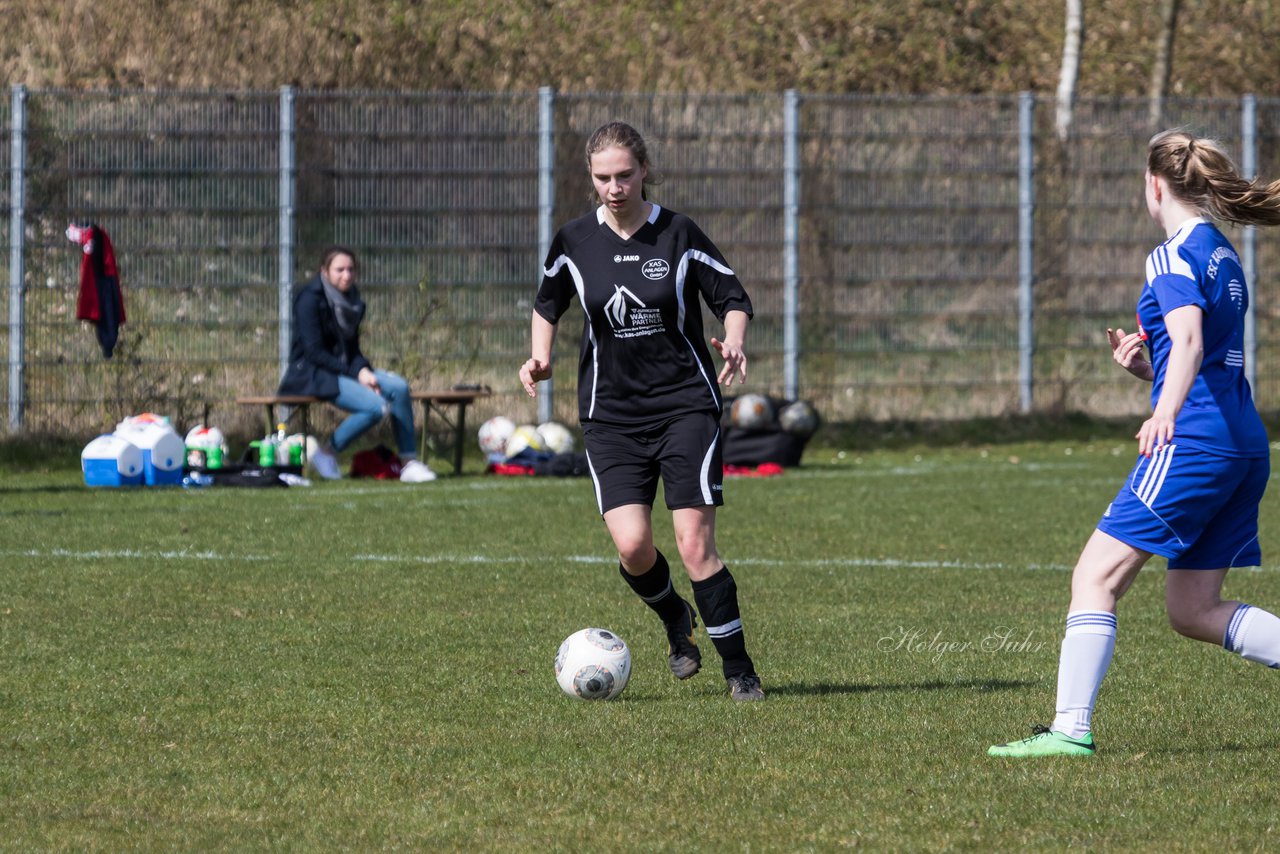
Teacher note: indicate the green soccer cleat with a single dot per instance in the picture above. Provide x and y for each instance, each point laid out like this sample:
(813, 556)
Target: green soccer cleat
(1046, 742)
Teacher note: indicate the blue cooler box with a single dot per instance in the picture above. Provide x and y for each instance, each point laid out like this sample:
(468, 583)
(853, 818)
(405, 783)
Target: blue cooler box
(111, 461)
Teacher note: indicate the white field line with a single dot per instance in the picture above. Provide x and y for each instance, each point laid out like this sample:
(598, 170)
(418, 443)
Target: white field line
(104, 554)
(605, 560)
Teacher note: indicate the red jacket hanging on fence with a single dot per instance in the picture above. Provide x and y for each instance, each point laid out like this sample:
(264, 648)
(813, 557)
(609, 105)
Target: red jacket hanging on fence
(101, 301)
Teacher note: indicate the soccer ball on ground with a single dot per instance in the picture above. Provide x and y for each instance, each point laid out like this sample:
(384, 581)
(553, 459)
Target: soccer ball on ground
(556, 437)
(524, 437)
(494, 434)
(799, 419)
(751, 412)
(593, 664)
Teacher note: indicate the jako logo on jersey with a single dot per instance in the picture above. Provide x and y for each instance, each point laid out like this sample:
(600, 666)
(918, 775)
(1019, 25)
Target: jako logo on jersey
(616, 308)
(655, 268)
(618, 259)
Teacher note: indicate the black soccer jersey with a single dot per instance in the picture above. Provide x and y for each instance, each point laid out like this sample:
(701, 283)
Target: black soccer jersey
(644, 354)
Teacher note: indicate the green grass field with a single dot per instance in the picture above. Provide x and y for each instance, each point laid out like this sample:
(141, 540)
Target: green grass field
(368, 665)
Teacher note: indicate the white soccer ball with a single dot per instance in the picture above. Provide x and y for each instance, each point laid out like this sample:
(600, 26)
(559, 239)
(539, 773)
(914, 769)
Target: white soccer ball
(751, 412)
(593, 664)
(556, 437)
(494, 434)
(799, 419)
(525, 436)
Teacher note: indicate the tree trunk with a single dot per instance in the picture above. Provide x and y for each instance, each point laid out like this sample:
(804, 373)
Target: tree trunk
(1164, 61)
(1070, 66)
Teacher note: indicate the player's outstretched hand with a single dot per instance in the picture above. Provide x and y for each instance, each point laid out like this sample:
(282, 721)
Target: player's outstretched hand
(1126, 350)
(735, 362)
(533, 372)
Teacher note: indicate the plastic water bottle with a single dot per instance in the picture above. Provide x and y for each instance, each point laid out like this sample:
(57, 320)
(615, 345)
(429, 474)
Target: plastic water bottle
(267, 451)
(197, 480)
(281, 445)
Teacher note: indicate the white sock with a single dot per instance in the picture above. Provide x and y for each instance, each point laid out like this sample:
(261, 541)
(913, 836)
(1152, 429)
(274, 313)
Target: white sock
(1086, 654)
(1255, 635)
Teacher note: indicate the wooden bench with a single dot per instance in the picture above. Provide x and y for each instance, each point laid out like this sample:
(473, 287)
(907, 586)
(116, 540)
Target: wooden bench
(458, 398)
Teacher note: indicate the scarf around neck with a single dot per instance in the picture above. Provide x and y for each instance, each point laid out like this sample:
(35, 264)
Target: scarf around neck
(348, 308)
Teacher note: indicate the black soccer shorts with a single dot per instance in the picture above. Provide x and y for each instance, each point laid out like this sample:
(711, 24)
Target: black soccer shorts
(684, 450)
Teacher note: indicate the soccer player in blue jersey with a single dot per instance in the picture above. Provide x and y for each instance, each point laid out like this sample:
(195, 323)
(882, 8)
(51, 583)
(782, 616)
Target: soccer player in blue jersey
(648, 392)
(1204, 459)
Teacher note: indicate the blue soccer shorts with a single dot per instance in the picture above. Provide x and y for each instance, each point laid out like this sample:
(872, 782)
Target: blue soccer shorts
(1197, 509)
(626, 462)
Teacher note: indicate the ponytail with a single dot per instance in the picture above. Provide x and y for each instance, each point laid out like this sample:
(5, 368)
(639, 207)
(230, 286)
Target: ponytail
(1200, 174)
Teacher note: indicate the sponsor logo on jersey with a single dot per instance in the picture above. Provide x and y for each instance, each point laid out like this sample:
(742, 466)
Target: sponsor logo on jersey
(1219, 254)
(629, 316)
(655, 268)
(618, 259)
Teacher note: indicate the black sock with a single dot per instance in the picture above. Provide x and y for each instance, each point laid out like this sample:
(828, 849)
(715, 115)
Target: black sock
(655, 588)
(717, 599)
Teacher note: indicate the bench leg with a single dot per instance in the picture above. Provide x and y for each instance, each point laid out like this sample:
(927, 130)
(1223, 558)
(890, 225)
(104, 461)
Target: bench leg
(459, 436)
(426, 419)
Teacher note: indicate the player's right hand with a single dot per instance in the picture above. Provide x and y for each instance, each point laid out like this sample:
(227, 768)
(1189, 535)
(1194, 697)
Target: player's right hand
(533, 372)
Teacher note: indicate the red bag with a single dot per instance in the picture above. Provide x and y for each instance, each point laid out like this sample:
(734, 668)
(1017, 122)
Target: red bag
(380, 463)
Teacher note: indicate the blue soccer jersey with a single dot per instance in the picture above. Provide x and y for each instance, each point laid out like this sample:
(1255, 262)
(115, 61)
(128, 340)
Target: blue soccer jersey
(1198, 266)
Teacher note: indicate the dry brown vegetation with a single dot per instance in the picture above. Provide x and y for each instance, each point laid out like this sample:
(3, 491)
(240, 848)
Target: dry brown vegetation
(1223, 47)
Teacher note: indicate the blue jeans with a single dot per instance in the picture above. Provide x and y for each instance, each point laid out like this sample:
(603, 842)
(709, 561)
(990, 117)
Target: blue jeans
(367, 408)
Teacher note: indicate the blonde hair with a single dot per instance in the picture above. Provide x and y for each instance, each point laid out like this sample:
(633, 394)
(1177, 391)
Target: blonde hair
(1200, 174)
(623, 135)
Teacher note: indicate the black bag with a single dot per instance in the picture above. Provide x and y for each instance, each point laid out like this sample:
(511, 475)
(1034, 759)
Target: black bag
(751, 448)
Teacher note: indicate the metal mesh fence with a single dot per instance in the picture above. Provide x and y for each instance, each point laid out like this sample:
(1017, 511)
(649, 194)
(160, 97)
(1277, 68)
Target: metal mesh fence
(910, 258)
(185, 186)
(7, 197)
(438, 195)
(908, 246)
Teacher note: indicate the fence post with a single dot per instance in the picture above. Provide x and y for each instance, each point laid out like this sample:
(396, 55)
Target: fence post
(17, 266)
(791, 247)
(546, 214)
(1026, 258)
(288, 179)
(1249, 166)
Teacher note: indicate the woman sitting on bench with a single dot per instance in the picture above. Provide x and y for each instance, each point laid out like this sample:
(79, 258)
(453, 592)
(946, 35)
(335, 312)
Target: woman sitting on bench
(325, 362)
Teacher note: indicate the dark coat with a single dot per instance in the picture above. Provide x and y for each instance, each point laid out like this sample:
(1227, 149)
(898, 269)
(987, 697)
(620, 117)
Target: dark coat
(318, 353)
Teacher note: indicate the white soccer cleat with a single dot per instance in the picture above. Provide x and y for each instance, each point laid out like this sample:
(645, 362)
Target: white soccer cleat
(416, 471)
(326, 464)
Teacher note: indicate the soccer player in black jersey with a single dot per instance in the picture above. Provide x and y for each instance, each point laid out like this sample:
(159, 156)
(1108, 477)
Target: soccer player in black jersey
(648, 391)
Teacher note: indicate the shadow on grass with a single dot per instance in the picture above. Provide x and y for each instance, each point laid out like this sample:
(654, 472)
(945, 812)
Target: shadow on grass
(821, 688)
(1268, 748)
(47, 488)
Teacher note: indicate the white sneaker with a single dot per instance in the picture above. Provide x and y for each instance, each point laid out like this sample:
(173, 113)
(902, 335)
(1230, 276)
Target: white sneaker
(414, 471)
(326, 464)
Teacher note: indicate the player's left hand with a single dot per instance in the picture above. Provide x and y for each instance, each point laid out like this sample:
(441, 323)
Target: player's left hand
(735, 362)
